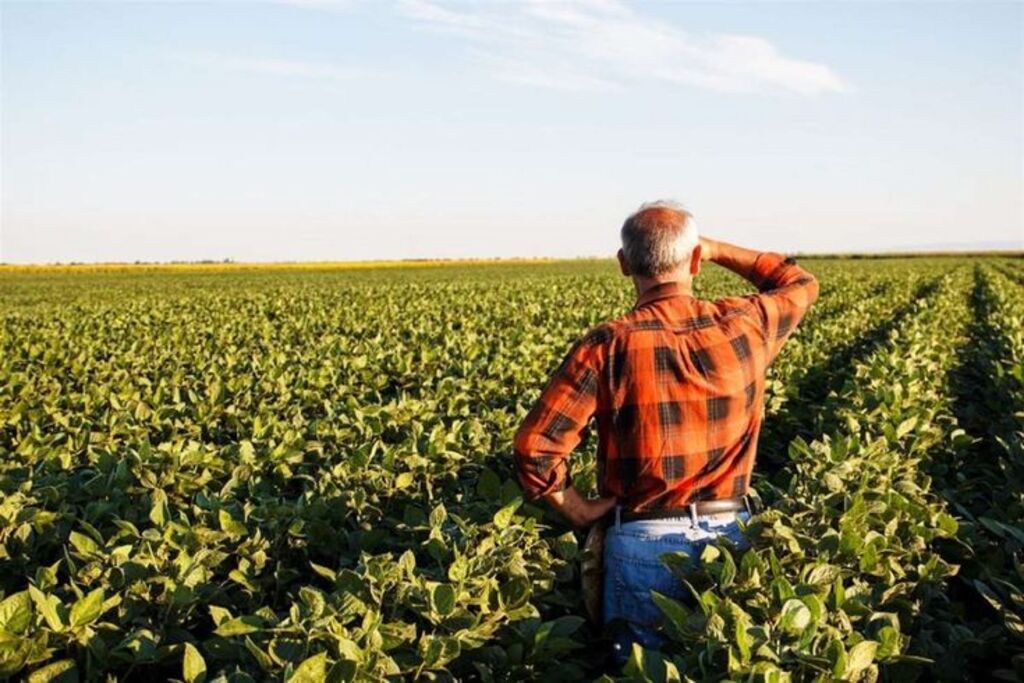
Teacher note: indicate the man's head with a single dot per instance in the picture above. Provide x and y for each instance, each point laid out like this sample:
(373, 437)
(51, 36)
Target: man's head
(660, 243)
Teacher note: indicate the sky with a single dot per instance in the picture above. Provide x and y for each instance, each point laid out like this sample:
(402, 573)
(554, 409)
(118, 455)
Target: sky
(370, 129)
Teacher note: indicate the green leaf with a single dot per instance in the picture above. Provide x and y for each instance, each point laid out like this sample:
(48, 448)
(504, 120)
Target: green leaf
(312, 670)
(404, 480)
(328, 574)
(674, 611)
(742, 640)
(489, 485)
(14, 652)
(510, 491)
(348, 649)
(503, 517)
(838, 593)
(728, 573)
(947, 523)
(430, 648)
(16, 612)
(407, 562)
(219, 615)
(442, 599)
(262, 658)
(83, 543)
(158, 513)
(906, 427)
(822, 574)
(889, 642)
(816, 607)
(1011, 620)
(193, 666)
(566, 546)
(567, 625)
(515, 592)
(437, 516)
(709, 554)
(860, 657)
(650, 665)
(459, 569)
(49, 606)
(634, 667)
(63, 671)
(231, 526)
(240, 626)
(837, 657)
(46, 577)
(88, 609)
(314, 600)
(795, 616)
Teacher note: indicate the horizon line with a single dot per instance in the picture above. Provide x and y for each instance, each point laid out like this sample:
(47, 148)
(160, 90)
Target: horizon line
(230, 264)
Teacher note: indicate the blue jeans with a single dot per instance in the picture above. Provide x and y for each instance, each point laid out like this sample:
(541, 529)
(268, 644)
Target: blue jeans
(633, 568)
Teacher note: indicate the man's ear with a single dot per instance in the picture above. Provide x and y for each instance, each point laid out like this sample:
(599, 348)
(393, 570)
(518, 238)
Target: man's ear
(623, 266)
(695, 261)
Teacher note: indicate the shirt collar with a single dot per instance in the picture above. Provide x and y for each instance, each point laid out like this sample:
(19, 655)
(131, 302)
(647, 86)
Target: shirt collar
(665, 290)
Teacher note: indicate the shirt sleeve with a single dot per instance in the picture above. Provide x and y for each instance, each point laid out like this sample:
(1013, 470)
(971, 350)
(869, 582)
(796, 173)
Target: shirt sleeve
(786, 293)
(554, 426)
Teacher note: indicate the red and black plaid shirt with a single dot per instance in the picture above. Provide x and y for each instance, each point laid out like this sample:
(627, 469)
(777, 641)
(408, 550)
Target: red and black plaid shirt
(677, 389)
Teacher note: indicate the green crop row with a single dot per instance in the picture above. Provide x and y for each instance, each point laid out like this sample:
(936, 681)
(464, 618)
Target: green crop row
(985, 486)
(306, 476)
(819, 354)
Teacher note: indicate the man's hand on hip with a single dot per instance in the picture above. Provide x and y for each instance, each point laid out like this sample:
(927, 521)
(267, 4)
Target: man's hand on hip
(581, 512)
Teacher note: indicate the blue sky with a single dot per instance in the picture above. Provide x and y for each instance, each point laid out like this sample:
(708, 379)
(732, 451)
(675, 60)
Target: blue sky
(364, 130)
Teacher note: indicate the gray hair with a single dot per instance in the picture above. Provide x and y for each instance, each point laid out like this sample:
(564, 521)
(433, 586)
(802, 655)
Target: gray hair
(658, 238)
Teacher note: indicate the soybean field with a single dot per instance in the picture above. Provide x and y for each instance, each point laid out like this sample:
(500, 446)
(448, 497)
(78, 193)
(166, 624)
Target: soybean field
(304, 474)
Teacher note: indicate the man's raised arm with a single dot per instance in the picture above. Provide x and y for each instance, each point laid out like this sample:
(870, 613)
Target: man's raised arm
(786, 290)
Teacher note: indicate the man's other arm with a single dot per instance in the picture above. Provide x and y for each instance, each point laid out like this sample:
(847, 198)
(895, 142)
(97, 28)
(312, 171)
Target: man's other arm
(552, 430)
(786, 290)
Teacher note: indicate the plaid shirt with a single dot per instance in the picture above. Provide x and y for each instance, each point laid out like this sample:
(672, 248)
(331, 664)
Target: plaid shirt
(677, 389)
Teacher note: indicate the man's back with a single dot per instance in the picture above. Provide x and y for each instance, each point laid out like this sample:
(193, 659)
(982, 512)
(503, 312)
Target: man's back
(676, 387)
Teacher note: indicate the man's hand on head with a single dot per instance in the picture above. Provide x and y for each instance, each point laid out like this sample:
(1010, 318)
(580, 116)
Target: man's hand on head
(707, 249)
(581, 512)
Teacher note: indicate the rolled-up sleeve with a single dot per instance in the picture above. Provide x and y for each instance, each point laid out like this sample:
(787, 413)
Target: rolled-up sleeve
(786, 293)
(554, 426)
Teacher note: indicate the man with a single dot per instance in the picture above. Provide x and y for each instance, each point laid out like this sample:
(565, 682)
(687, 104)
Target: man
(677, 389)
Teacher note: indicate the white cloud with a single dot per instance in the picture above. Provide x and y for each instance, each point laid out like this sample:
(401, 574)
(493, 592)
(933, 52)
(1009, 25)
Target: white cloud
(271, 66)
(442, 17)
(326, 5)
(605, 44)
